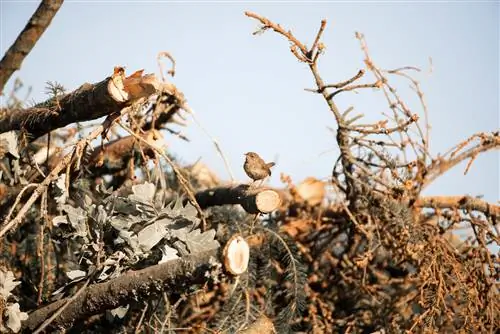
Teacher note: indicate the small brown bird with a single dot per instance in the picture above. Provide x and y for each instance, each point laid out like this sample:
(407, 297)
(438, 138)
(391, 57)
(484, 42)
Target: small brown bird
(255, 167)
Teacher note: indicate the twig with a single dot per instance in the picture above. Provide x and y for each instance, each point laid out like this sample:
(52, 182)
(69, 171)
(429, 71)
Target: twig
(344, 83)
(398, 128)
(442, 165)
(316, 45)
(216, 144)
(376, 84)
(18, 199)
(141, 319)
(462, 202)
(41, 255)
(160, 65)
(276, 27)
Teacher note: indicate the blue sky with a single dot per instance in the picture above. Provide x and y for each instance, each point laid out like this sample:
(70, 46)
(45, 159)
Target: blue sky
(248, 91)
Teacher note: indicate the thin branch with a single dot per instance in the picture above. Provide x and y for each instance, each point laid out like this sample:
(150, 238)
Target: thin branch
(317, 46)
(160, 65)
(442, 165)
(376, 84)
(276, 27)
(216, 144)
(344, 83)
(398, 128)
(460, 202)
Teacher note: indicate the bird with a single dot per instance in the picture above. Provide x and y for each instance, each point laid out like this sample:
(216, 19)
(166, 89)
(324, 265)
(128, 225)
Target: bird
(255, 167)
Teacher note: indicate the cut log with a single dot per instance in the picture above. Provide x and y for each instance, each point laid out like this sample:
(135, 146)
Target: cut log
(253, 200)
(311, 191)
(263, 325)
(236, 255)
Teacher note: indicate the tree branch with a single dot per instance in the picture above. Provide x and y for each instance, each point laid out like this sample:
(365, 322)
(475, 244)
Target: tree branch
(460, 202)
(176, 275)
(90, 101)
(27, 39)
(253, 200)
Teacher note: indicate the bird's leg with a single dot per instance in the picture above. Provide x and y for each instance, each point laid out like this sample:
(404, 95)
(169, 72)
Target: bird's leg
(261, 182)
(253, 222)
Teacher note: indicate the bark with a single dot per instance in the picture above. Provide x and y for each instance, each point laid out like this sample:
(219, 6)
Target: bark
(176, 275)
(27, 39)
(90, 101)
(253, 200)
(459, 202)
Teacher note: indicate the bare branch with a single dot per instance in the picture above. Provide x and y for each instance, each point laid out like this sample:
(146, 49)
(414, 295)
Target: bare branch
(175, 275)
(459, 202)
(27, 39)
(253, 200)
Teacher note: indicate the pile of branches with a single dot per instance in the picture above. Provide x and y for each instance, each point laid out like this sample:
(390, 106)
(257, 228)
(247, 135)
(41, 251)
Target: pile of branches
(102, 229)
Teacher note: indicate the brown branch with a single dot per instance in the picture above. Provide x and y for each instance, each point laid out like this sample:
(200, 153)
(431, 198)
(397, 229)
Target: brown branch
(169, 56)
(383, 130)
(317, 46)
(376, 84)
(168, 105)
(460, 202)
(253, 200)
(175, 275)
(343, 140)
(27, 39)
(442, 165)
(276, 27)
(344, 83)
(90, 101)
